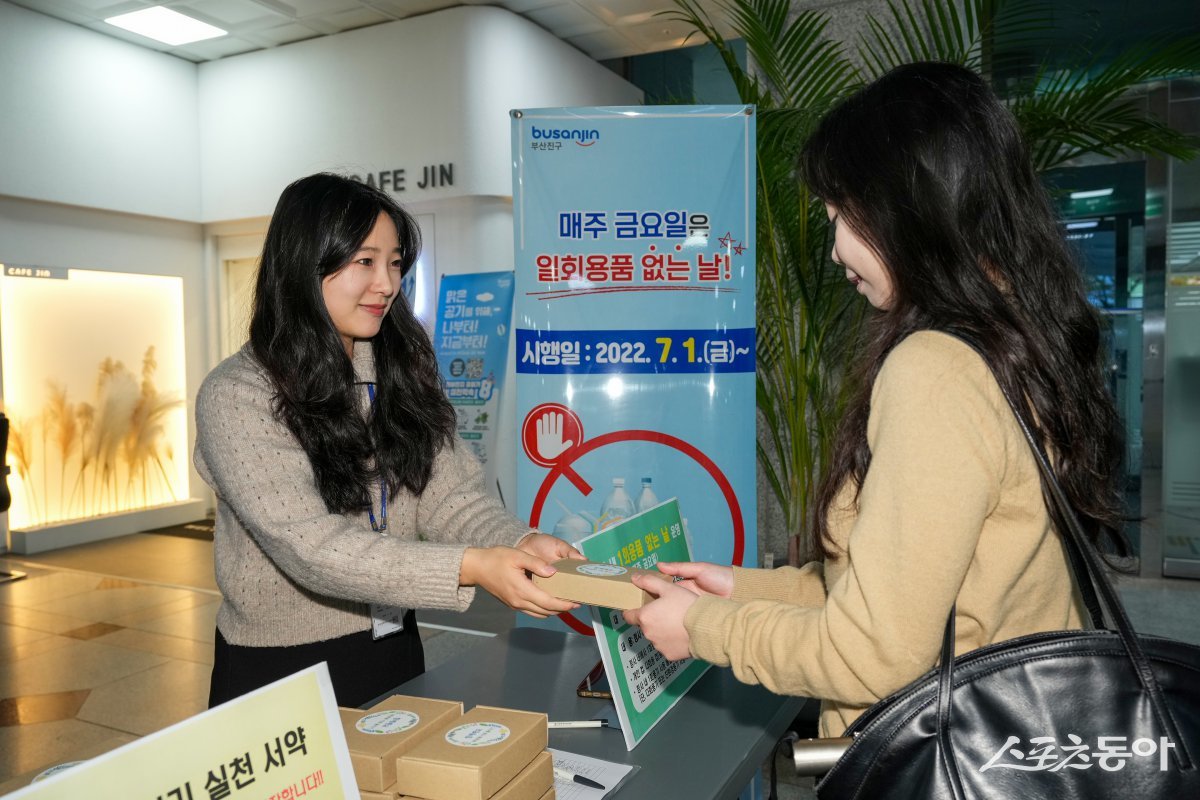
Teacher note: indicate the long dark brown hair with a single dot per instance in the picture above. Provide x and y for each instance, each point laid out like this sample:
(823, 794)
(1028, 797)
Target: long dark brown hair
(929, 168)
(318, 225)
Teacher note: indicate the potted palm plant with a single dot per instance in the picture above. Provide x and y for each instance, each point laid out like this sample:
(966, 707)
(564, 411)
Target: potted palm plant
(807, 315)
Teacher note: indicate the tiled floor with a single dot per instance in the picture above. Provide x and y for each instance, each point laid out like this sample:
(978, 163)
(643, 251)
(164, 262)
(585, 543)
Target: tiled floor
(104, 643)
(90, 661)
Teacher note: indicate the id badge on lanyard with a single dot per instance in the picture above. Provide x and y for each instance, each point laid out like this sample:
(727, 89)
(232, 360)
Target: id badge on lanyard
(385, 620)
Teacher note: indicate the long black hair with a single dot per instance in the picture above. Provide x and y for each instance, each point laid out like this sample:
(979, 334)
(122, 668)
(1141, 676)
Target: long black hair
(318, 225)
(929, 168)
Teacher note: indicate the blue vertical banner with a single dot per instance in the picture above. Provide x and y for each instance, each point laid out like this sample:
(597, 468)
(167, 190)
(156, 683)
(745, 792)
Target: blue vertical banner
(471, 339)
(634, 315)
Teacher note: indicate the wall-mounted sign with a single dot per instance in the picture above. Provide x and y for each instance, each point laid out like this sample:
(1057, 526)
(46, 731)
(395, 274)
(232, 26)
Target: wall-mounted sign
(396, 179)
(19, 271)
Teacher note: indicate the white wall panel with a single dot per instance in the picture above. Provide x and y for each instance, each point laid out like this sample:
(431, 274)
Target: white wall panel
(93, 121)
(434, 89)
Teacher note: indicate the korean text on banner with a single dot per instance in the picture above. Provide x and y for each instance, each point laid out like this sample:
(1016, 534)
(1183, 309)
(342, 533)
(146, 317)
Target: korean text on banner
(471, 340)
(645, 686)
(634, 310)
(284, 740)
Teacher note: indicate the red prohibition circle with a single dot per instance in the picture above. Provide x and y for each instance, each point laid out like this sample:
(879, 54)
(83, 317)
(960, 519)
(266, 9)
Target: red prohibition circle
(562, 467)
(572, 429)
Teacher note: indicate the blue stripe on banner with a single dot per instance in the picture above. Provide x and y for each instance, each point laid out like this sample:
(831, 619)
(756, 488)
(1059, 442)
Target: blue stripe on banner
(660, 352)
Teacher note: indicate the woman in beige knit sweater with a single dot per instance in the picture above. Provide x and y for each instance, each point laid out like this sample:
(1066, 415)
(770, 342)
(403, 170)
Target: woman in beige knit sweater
(931, 497)
(344, 499)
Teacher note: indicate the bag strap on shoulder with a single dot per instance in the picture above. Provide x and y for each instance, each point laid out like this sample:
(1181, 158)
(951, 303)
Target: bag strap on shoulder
(1090, 576)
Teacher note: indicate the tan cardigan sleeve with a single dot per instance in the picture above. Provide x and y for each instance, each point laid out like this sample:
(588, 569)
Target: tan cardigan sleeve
(937, 460)
(802, 586)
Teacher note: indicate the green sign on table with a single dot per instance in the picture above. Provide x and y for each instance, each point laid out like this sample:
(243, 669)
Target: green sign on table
(644, 684)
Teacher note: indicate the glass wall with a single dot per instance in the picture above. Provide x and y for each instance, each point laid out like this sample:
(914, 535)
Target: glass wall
(1103, 207)
(1181, 349)
(684, 75)
(1136, 229)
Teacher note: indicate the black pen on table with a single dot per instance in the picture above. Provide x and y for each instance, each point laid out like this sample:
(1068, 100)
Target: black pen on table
(567, 775)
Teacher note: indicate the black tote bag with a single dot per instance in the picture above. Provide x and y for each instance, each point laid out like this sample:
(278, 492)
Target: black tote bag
(1068, 715)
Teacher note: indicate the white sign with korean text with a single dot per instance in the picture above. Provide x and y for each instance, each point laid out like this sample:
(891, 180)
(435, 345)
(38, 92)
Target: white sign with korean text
(279, 742)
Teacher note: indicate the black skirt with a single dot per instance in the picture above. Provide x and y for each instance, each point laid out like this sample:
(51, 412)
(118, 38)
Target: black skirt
(362, 668)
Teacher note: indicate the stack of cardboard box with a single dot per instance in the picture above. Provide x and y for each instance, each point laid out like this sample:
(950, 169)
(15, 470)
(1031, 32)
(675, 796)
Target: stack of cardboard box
(412, 747)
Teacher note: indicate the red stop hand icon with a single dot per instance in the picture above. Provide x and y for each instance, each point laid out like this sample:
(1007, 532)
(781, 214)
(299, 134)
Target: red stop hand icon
(549, 431)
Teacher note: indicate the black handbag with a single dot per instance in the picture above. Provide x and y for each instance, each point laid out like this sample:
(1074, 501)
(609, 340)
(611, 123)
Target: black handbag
(1069, 715)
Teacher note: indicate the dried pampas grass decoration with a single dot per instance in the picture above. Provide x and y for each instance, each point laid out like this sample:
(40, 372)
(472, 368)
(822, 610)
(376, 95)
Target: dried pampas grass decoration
(61, 416)
(117, 396)
(19, 444)
(85, 414)
(112, 446)
(146, 430)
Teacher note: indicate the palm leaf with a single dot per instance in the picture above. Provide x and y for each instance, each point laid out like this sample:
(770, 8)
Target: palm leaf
(936, 30)
(691, 14)
(1088, 109)
(808, 317)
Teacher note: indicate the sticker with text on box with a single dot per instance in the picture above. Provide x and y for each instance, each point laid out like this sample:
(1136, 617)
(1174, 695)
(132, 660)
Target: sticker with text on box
(478, 734)
(387, 722)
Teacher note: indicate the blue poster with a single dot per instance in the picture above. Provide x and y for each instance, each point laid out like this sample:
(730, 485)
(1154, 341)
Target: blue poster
(471, 340)
(634, 315)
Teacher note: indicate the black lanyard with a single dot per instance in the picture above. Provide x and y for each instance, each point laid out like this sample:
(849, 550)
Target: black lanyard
(381, 526)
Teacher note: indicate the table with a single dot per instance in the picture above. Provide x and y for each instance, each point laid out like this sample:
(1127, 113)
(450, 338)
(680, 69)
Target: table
(708, 746)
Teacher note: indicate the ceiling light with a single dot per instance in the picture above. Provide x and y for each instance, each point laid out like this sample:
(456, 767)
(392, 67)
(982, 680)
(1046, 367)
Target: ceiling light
(1091, 193)
(166, 26)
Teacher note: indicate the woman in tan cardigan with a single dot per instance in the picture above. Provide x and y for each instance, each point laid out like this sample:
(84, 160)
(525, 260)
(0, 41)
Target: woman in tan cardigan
(931, 497)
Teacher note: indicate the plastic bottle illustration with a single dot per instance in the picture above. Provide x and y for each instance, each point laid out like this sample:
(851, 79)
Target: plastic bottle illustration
(572, 527)
(617, 506)
(647, 498)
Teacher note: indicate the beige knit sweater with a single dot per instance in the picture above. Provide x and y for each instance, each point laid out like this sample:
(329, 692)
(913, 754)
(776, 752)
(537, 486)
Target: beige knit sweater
(289, 571)
(950, 510)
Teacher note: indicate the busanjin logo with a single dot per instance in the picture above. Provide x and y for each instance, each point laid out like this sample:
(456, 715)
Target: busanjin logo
(580, 136)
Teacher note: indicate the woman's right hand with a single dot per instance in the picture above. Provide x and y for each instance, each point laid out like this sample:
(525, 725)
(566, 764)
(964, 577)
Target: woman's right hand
(501, 570)
(701, 577)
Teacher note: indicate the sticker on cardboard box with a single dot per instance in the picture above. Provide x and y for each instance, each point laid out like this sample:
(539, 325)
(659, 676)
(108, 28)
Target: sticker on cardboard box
(385, 722)
(478, 734)
(600, 569)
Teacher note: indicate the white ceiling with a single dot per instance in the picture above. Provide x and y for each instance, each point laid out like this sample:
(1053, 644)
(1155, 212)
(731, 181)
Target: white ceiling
(602, 29)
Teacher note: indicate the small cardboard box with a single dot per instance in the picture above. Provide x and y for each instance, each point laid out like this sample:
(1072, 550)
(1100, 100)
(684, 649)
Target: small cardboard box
(378, 735)
(472, 757)
(595, 584)
(531, 783)
(365, 795)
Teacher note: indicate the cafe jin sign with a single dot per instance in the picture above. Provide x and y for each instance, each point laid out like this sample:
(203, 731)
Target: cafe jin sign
(397, 179)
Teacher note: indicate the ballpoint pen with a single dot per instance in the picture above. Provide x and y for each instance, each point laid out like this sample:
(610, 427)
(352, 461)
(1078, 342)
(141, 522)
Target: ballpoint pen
(583, 723)
(567, 775)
